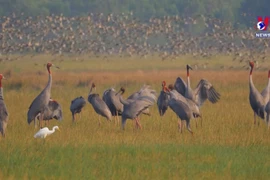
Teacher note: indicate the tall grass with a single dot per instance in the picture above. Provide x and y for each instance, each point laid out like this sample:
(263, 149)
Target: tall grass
(227, 146)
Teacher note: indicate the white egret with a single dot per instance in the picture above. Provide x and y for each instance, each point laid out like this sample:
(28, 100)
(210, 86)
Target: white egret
(44, 132)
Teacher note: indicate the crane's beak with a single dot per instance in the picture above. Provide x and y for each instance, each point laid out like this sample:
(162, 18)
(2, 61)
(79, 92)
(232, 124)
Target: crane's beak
(189, 67)
(59, 130)
(56, 66)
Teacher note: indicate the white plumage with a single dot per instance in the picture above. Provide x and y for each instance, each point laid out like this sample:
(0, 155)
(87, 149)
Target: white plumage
(44, 132)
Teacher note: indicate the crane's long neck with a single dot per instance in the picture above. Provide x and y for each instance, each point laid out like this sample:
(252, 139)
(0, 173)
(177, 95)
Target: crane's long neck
(251, 85)
(188, 80)
(91, 89)
(1, 93)
(49, 84)
(268, 79)
(122, 100)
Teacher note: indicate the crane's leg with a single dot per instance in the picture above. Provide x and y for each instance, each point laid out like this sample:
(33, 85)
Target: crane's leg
(138, 123)
(73, 117)
(196, 123)
(40, 120)
(254, 118)
(81, 115)
(117, 118)
(201, 119)
(188, 126)
(180, 125)
(267, 120)
(99, 120)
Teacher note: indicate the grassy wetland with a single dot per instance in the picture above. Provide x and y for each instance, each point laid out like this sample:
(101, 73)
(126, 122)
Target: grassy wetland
(228, 146)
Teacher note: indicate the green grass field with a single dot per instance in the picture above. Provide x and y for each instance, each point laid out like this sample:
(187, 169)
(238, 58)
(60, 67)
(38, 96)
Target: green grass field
(228, 146)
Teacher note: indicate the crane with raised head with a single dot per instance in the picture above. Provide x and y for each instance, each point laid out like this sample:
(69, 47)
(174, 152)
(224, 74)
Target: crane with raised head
(163, 99)
(3, 110)
(41, 102)
(99, 105)
(256, 99)
(183, 107)
(204, 90)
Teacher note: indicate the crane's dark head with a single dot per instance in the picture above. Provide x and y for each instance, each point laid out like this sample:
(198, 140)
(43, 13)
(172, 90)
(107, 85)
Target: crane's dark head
(93, 85)
(122, 91)
(163, 84)
(49, 65)
(164, 87)
(189, 67)
(170, 87)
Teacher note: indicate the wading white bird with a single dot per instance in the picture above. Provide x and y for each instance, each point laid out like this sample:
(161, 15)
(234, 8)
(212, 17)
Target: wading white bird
(44, 132)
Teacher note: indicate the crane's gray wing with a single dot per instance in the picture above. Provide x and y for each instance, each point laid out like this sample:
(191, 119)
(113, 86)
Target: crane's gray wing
(77, 103)
(3, 110)
(180, 86)
(138, 106)
(181, 109)
(205, 90)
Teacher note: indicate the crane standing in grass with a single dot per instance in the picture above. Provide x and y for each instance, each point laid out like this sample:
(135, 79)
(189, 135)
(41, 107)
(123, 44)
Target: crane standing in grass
(204, 90)
(40, 103)
(256, 99)
(3, 110)
(99, 105)
(135, 106)
(53, 111)
(76, 106)
(163, 99)
(113, 102)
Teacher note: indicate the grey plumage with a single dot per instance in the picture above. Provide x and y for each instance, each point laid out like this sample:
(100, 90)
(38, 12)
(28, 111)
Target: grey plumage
(134, 106)
(40, 103)
(163, 100)
(256, 100)
(204, 90)
(267, 110)
(99, 105)
(52, 111)
(184, 108)
(3, 110)
(144, 91)
(112, 101)
(76, 106)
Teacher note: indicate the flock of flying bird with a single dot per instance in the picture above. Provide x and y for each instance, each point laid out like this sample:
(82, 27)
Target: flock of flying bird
(180, 97)
(101, 35)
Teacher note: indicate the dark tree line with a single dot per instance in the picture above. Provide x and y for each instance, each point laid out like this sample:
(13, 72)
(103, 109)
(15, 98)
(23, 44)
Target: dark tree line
(240, 12)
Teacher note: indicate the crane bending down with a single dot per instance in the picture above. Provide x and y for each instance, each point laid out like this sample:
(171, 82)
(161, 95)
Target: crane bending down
(113, 103)
(204, 90)
(53, 111)
(163, 99)
(76, 106)
(3, 110)
(135, 106)
(40, 103)
(144, 91)
(184, 108)
(99, 105)
(256, 99)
